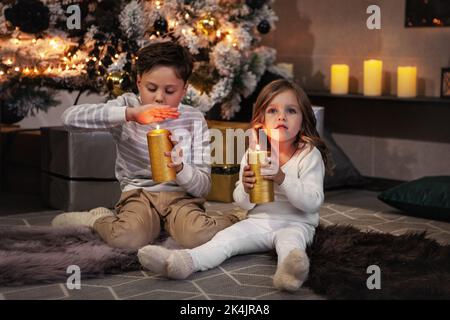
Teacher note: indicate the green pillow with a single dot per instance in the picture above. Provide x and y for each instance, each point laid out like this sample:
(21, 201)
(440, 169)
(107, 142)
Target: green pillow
(428, 197)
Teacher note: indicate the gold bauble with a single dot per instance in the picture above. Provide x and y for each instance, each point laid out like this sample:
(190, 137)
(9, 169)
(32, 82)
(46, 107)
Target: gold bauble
(208, 24)
(114, 81)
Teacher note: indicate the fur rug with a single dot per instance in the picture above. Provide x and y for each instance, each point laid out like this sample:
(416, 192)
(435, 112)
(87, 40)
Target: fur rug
(412, 266)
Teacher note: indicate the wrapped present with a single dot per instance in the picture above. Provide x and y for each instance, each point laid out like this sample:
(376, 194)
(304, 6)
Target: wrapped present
(223, 181)
(229, 141)
(78, 169)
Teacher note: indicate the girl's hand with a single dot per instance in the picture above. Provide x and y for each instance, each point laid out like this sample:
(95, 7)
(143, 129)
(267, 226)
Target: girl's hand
(278, 178)
(151, 113)
(248, 179)
(272, 171)
(176, 156)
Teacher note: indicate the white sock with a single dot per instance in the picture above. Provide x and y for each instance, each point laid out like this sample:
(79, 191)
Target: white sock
(179, 265)
(154, 258)
(292, 272)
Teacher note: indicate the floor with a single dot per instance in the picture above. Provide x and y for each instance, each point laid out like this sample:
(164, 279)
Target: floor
(243, 277)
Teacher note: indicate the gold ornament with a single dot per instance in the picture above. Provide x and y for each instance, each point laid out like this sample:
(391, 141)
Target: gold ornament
(114, 81)
(208, 24)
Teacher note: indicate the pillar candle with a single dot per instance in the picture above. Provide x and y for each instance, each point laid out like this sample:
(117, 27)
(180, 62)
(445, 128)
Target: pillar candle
(158, 142)
(373, 70)
(339, 78)
(406, 82)
(262, 191)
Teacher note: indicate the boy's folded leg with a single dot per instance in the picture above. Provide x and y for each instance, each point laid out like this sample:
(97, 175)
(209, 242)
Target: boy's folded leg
(85, 218)
(292, 272)
(154, 258)
(191, 226)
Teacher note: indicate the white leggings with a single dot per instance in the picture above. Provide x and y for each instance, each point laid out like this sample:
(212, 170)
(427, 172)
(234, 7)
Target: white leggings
(249, 236)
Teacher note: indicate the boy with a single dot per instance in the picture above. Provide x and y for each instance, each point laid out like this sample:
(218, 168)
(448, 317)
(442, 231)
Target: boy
(146, 206)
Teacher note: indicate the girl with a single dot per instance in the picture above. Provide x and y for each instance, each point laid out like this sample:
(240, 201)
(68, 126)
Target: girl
(288, 224)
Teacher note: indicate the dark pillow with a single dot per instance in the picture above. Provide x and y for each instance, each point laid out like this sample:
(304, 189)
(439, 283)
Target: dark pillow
(345, 173)
(428, 197)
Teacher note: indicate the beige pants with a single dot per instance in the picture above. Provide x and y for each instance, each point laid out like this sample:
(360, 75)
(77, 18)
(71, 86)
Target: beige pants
(141, 215)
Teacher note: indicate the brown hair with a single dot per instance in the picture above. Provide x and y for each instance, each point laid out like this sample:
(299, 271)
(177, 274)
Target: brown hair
(169, 54)
(308, 132)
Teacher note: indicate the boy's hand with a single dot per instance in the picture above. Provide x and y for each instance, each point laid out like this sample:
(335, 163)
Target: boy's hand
(176, 155)
(248, 179)
(151, 113)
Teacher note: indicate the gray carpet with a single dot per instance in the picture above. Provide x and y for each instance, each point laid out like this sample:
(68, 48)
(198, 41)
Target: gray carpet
(242, 277)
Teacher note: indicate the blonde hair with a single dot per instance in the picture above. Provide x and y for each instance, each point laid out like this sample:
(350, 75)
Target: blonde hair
(308, 133)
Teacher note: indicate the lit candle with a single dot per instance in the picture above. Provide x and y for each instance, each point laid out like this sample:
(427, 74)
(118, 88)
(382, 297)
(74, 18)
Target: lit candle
(158, 142)
(372, 77)
(262, 190)
(406, 82)
(339, 78)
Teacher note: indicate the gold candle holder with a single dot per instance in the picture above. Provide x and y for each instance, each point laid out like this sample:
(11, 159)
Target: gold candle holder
(158, 142)
(262, 191)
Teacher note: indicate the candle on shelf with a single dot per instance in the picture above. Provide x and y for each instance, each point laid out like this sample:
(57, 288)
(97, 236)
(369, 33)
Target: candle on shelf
(158, 142)
(262, 191)
(373, 70)
(406, 82)
(339, 78)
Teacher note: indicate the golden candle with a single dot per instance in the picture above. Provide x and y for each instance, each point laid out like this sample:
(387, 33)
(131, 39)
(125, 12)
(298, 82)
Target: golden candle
(158, 142)
(262, 191)
(339, 78)
(406, 82)
(373, 70)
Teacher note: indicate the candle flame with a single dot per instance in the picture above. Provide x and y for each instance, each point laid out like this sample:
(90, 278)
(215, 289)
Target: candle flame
(157, 127)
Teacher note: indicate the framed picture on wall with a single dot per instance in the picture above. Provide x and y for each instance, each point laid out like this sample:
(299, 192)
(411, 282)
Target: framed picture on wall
(445, 83)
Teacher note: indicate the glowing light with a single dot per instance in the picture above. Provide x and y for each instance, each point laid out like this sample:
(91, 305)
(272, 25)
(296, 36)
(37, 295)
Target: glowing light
(116, 56)
(9, 61)
(17, 69)
(187, 16)
(26, 70)
(53, 44)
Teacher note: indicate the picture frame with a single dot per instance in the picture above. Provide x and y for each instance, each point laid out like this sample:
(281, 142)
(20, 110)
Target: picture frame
(445, 83)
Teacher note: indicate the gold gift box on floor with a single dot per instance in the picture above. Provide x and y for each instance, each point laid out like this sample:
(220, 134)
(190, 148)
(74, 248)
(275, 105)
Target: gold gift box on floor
(224, 176)
(231, 143)
(223, 180)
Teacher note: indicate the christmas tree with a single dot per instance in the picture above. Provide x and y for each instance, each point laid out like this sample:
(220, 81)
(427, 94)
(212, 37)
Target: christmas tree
(39, 51)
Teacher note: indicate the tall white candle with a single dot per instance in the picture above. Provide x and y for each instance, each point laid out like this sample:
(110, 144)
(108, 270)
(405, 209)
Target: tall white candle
(339, 78)
(373, 70)
(406, 82)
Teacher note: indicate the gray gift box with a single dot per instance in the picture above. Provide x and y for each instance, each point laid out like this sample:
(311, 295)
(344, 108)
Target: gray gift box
(78, 169)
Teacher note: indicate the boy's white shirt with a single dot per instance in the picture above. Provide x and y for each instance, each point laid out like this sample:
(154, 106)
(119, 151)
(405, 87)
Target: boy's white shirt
(300, 195)
(132, 161)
